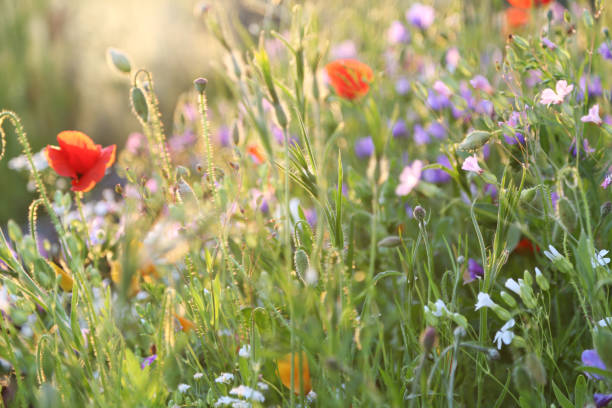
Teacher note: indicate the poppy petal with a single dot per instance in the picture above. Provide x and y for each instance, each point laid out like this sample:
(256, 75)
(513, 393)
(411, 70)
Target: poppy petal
(80, 150)
(524, 4)
(516, 17)
(88, 180)
(59, 162)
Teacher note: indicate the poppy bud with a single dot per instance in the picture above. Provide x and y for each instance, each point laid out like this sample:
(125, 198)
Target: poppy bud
(200, 85)
(605, 209)
(301, 263)
(390, 242)
(429, 338)
(419, 213)
(139, 104)
(236, 134)
(119, 60)
(474, 140)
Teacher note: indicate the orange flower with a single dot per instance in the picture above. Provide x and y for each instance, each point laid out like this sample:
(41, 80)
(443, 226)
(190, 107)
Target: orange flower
(284, 372)
(186, 324)
(80, 159)
(255, 154)
(524, 4)
(349, 78)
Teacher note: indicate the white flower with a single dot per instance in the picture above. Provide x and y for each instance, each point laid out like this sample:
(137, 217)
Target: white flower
(551, 97)
(440, 308)
(183, 387)
(504, 335)
(599, 259)
(197, 376)
(233, 402)
(607, 322)
(245, 351)
(225, 378)
(484, 300)
(262, 386)
(538, 272)
(514, 286)
(311, 396)
(248, 393)
(553, 254)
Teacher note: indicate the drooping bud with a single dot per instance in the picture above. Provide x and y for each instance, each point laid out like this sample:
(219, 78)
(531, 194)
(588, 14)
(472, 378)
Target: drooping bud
(429, 338)
(419, 213)
(301, 263)
(200, 85)
(119, 60)
(139, 104)
(474, 140)
(605, 209)
(390, 242)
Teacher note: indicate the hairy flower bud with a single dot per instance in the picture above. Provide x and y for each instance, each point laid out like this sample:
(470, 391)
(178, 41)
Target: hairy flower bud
(429, 338)
(419, 213)
(200, 85)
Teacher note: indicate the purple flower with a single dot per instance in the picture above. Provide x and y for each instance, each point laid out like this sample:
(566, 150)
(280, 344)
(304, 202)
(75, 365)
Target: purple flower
(311, 216)
(420, 136)
(585, 145)
(474, 271)
(402, 86)
(180, 142)
(594, 86)
(438, 175)
(513, 122)
(408, 210)
(534, 77)
(364, 147)
(481, 83)
(420, 16)
(602, 400)
(437, 130)
(548, 44)
(399, 129)
(554, 198)
(486, 151)
(397, 33)
(590, 358)
(471, 164)
(223, 136)
(134, 142)
(605, 51)
(437, 101)
(491, 190)
(606, 181)
(148, 361)
(485, 107)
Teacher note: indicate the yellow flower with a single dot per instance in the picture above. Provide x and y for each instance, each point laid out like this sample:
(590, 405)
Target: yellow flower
(66, 282)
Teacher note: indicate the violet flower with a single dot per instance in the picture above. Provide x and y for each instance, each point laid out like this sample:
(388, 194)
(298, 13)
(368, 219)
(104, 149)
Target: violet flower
(590, 358)
(474, 271)
(438, 175)
(148, 361)
(397, 33)
(420, 16)
(364, 147)
(602, 400)
(481, 83)
(437, 130)
(605, 51)
(420, 136)
(399, 129)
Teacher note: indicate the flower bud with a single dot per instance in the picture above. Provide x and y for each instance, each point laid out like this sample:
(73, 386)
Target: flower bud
(236, 134)
(605, 209)
(502, 313)
(460, 260)
(119, 60)
(508, 299)
(200, 85)
(419, 213)
(139, 104)
(527, 278)
(429, 338)
(474, 140)
(541, 280)
(301, 263)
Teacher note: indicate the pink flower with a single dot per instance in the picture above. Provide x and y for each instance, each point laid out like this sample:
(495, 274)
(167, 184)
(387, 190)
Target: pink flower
(471, 164)
(607, 181)
(409, 178)
(551, 97)
(593, 116)
(441, 88)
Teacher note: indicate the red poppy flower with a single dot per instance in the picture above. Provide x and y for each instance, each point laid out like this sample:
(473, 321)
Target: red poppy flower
(256, 155)
(349, 78)
(525, 246)
(516, 17)
(523, 4)
(80, 159)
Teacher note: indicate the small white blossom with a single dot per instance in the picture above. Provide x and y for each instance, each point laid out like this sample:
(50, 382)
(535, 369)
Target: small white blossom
(607, 322)
(514, 286)
(247, 393)
(262, 386)
(197, 376)
(245, 351)
(599, 258)
(484, 300)
(552, 253)
(225, 378)
(233, 402)
(440, 308)
(504, 335)
(183, 387)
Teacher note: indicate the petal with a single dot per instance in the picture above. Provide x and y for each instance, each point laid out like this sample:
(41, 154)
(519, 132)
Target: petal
(59, 162)
(88, 180)
(524, 4)
(80, 150)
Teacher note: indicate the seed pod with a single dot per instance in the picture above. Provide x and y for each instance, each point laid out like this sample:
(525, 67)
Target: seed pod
(139, 104)
(474, 141)
(301, 263)
(119, 60)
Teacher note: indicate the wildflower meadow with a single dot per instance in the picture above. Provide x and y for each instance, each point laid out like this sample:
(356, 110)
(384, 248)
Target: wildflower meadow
(353, 204)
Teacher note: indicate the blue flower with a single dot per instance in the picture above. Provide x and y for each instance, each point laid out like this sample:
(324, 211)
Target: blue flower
(364, 147)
